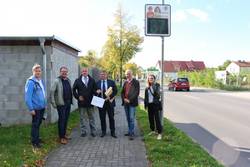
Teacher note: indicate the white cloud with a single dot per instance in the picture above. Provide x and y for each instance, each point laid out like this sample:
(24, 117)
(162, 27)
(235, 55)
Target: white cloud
(180, 16)
(198, 13)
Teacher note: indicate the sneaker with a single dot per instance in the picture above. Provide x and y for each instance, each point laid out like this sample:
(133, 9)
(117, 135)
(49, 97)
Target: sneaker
(151, 133)
(36, 146)
(159, 137)
(126, 134)
(93, 135)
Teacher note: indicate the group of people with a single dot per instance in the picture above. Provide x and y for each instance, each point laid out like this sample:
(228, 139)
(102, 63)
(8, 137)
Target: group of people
(83, 90)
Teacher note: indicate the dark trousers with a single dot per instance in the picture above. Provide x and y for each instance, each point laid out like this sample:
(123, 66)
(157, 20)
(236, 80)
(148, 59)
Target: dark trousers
(63, 114)
(36, 122)
(107, 108)
(154, 117)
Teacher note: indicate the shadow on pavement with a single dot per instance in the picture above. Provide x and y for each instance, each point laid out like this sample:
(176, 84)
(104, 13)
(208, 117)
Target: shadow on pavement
(224, 153)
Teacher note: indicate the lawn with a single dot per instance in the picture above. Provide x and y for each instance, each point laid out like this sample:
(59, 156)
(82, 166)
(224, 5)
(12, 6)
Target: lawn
(176, 149)
(15, 147)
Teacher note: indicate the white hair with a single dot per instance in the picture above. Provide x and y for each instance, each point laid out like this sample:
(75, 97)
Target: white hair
(36, 66)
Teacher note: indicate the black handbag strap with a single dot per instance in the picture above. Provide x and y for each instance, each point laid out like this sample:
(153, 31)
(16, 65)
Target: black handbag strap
(151, 91)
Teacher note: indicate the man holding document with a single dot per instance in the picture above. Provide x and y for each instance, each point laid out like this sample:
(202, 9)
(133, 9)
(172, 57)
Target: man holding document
(107, 90)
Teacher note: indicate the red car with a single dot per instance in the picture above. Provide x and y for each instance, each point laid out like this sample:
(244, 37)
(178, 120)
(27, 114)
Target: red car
(179, 84)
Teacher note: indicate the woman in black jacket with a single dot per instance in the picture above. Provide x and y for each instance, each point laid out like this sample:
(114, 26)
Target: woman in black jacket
(153, 104)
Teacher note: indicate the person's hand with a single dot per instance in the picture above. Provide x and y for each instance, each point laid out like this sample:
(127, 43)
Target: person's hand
(81, 98)
(33, 113)
(98, 91)
(107, 98)
(126, 100)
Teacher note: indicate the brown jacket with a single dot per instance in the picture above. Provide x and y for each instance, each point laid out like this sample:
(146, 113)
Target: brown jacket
(133, 93)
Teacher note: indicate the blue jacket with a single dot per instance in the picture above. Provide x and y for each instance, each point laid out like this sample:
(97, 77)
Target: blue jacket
(34, 97)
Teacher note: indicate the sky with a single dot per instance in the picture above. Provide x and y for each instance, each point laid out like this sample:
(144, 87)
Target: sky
(201, 30)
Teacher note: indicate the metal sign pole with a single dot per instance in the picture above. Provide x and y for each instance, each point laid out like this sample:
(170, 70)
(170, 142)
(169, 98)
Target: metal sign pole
(162, 78)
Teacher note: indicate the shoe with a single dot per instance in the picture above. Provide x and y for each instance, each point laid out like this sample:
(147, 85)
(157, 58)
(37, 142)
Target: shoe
(93, 135)
(36, 145)
(126, 134)
(83, 135)
(131, 137)
(159, 137)
(67, 137)
(63, 141)
(151, 133)
(103, 134)
(113, 135)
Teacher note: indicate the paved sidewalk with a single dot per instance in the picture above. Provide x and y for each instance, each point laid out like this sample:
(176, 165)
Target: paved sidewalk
(101, 152)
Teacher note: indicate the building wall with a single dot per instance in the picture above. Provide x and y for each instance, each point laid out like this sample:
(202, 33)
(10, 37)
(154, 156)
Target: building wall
(245, 69)
(58, 59)
(16, 63)
(233, 68)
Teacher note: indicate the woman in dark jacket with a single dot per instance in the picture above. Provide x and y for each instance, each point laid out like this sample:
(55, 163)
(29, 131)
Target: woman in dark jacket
(153, 104)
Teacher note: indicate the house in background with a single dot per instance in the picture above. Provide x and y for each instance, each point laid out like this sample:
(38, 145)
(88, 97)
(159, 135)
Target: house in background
(171, 68)
(237, 67)
(221, 76)
(17, 57)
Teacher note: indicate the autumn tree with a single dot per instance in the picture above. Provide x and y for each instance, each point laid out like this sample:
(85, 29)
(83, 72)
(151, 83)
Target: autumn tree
(122, 44)
(89, 60)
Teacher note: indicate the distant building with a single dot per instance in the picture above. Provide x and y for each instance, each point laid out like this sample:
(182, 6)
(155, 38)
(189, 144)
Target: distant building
(221, 76)
(237, 67)
(171, 68)
(17, 56)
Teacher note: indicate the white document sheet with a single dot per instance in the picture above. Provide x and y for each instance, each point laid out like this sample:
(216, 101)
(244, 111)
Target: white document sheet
(97, 101)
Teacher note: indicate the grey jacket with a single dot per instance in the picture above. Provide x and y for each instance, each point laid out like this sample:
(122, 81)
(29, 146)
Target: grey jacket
(56, 92)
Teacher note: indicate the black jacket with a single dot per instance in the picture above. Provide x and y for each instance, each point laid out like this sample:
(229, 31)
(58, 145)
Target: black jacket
(156, 95)
(133, 92)
(112, 84)
(79, 89)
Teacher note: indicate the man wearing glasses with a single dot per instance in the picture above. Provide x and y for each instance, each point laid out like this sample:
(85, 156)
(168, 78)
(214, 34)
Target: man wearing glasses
(61, 99)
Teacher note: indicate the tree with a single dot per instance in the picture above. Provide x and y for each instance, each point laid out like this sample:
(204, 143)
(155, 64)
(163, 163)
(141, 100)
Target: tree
(133, 67)
(152, 69)
(89, 60)
(225, 64)
(122, 43)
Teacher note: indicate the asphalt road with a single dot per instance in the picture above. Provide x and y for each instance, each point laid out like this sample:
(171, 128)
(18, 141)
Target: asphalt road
(218, 120)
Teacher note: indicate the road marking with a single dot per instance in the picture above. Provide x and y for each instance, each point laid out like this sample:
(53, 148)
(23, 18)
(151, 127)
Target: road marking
(242, 150)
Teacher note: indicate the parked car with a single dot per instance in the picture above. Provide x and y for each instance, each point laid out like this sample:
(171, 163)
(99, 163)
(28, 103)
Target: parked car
(179, 84)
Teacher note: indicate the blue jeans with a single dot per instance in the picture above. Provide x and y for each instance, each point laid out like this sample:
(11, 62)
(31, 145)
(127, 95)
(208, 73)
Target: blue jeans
(130, 115)
(63, 114)
(36, 122)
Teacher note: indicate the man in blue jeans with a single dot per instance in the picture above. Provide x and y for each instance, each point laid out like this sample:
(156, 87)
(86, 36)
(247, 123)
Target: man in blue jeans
(61, 98)
(35, 98)
(129, 94)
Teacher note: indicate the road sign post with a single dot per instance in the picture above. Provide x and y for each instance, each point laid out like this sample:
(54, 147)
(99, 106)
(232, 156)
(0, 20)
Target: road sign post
(158, 23)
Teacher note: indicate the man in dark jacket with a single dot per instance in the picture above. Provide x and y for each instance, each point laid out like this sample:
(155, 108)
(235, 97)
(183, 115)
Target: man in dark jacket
(129, 94)
(83, 90)
(102, 86)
